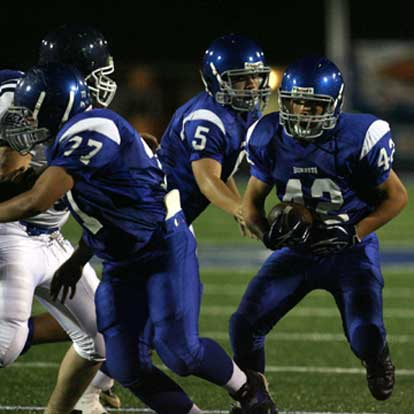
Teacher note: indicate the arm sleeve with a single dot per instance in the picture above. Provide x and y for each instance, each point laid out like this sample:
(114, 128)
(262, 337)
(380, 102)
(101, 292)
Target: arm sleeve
(206, 140)
(86, 151)
(377, 154)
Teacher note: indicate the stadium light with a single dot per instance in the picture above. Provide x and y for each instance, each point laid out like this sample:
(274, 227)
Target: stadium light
(275, 78)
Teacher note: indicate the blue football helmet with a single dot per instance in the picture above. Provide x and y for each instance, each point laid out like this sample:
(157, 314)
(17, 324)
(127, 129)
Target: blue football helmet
(316, 84)
(229, 59)
(44, 99)
(86, 49)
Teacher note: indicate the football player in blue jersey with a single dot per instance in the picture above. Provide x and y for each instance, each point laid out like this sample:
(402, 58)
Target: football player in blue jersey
(339, 166)
(116, 189)
(37, 239)
(203, 144)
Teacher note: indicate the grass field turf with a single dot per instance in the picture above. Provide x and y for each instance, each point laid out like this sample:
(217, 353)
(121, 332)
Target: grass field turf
(310, 365)
(215, 227)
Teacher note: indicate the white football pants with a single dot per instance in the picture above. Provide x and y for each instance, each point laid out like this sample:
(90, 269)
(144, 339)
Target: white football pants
(27, 265)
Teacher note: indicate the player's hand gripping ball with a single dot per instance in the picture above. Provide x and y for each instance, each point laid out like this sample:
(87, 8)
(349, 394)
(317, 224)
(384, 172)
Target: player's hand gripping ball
(330, 239)
(290, 225)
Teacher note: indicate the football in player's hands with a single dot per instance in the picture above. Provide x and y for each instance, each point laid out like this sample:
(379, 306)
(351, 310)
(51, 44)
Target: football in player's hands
(291, 213)
(290, 225)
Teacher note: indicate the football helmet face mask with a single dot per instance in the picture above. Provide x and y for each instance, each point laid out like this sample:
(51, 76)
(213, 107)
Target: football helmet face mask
(231, 60)
(21, 131)
(310, 97)
(44, 99)
(86, 49)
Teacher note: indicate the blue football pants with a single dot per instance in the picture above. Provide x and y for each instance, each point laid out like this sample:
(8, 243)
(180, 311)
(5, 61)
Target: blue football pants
(354, 279)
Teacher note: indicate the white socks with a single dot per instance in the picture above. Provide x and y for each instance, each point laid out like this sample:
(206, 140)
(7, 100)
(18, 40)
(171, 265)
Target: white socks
(194, 410)
(102, 381)
(237, 380)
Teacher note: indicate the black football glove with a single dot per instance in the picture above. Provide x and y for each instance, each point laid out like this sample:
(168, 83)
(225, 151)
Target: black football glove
(280, 236)
(331, 239)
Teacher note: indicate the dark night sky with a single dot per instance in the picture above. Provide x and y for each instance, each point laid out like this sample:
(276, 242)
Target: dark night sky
(179, 31)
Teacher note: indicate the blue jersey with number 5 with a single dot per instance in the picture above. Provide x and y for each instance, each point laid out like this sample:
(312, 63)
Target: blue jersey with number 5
(202, 128)
(119, 185)
(332, 175)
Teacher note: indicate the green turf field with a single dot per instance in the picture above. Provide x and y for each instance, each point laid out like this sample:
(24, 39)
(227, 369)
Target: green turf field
(215, 227)
(309, 364)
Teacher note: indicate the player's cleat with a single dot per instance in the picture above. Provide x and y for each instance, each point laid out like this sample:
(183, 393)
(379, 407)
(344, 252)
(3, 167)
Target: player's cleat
(254, 396)
(381, 375)
(110, 399)
(89, 402)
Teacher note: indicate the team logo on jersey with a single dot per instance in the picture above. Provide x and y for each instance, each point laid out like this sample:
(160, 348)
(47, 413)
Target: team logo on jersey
(305, 170)
(298, 90)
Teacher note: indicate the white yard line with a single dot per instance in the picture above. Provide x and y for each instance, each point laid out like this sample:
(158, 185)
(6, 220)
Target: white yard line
(146, 410)
(269, 368)
(237, 289)
(331, 370)
(387, 269)
(309, 337)
(392, 269)
(308, 311)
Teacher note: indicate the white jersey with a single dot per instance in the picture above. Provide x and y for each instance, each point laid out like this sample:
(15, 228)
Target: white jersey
(55, 217)
(30, 253)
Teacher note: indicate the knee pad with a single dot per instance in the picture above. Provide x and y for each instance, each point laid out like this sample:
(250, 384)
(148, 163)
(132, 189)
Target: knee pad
(12, 339)
(177, 362)
(366, 340)
(87, 347)
(180, 352)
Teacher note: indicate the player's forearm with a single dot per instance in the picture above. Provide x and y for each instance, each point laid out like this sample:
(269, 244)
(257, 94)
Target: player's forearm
(389, 208)
(231, 184)
(18, 182)
(82, 254)
(221, 195)
(11, 160)
(20, 207)
(255, 217)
